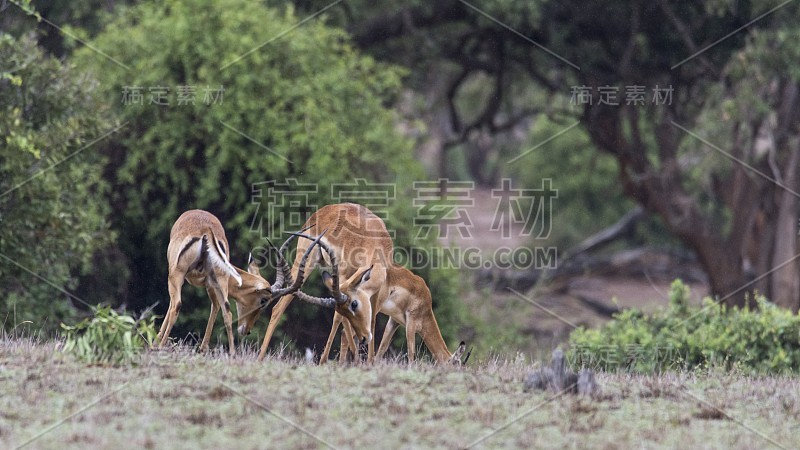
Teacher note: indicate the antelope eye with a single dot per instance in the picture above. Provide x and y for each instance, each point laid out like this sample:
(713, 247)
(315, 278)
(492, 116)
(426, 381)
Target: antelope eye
(354, 305)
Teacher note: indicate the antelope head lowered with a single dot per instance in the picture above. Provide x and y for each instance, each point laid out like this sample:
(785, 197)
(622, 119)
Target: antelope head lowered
(284, 284)
(352, 306)
(198, 253)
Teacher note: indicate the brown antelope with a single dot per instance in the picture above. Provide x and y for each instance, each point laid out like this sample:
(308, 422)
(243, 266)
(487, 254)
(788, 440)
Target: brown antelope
(198, 253)
(359, 241)
(409, 305)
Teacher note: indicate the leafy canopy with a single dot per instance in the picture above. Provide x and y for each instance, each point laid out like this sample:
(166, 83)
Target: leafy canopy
(268, 104)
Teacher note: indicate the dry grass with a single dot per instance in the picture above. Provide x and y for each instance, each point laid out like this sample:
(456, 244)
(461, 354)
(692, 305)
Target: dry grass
(179, 399)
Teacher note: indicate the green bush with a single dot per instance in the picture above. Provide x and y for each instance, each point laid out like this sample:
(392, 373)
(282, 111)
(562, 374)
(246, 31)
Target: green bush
(109, 337)
(765, 339)
(50, 179)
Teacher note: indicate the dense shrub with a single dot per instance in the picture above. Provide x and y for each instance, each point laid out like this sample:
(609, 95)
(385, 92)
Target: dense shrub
(765, 338)
(51, 222)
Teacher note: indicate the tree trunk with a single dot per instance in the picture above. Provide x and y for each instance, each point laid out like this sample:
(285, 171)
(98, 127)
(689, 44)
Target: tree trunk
(660, 191)
(785, 281)
(785, 288)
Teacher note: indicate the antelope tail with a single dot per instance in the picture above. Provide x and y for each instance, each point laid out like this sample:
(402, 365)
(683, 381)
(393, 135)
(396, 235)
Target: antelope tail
(218, 257)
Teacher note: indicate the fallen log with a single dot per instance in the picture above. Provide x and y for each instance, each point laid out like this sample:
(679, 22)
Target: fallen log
(624, 227)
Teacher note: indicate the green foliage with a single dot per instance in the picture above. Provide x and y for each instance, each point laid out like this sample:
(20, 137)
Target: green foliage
(679, 295)
(76, 20)
(50, 178)
(109, 337)
(765, 339)
(310, 107)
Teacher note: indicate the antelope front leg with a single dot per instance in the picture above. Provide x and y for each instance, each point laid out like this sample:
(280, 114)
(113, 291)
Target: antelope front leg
(226, 315)
(348, 343)
(371, 344)
(337, 320)
(277, 312)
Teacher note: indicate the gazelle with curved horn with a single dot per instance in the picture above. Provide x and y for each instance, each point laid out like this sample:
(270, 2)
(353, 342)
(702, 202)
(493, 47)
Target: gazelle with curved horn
(358, 249)
(356, 307)
(198, 253)
(408, 304)
(283, 266)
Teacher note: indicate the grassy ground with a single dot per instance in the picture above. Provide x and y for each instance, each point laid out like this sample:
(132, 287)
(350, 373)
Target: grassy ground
(179, 399)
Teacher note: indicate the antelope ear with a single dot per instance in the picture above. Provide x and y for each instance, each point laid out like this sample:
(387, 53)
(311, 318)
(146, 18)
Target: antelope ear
(365, 276)
(252, 266)
(327, 279)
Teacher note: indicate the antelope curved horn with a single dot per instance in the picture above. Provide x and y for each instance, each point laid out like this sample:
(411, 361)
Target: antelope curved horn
(282, 268)
(335, 291)
(335, 276)
(301, 270)
(279, 272)
(340, 299)
(326, 302)
(294, 285)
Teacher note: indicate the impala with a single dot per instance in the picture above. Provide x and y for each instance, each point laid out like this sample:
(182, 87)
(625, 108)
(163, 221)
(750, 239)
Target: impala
(198, 253)
(409, 305)
(359, 244)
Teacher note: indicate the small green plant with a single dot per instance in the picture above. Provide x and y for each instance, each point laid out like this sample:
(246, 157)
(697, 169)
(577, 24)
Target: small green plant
(679, 295)
(765, 339)
(109, 337)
